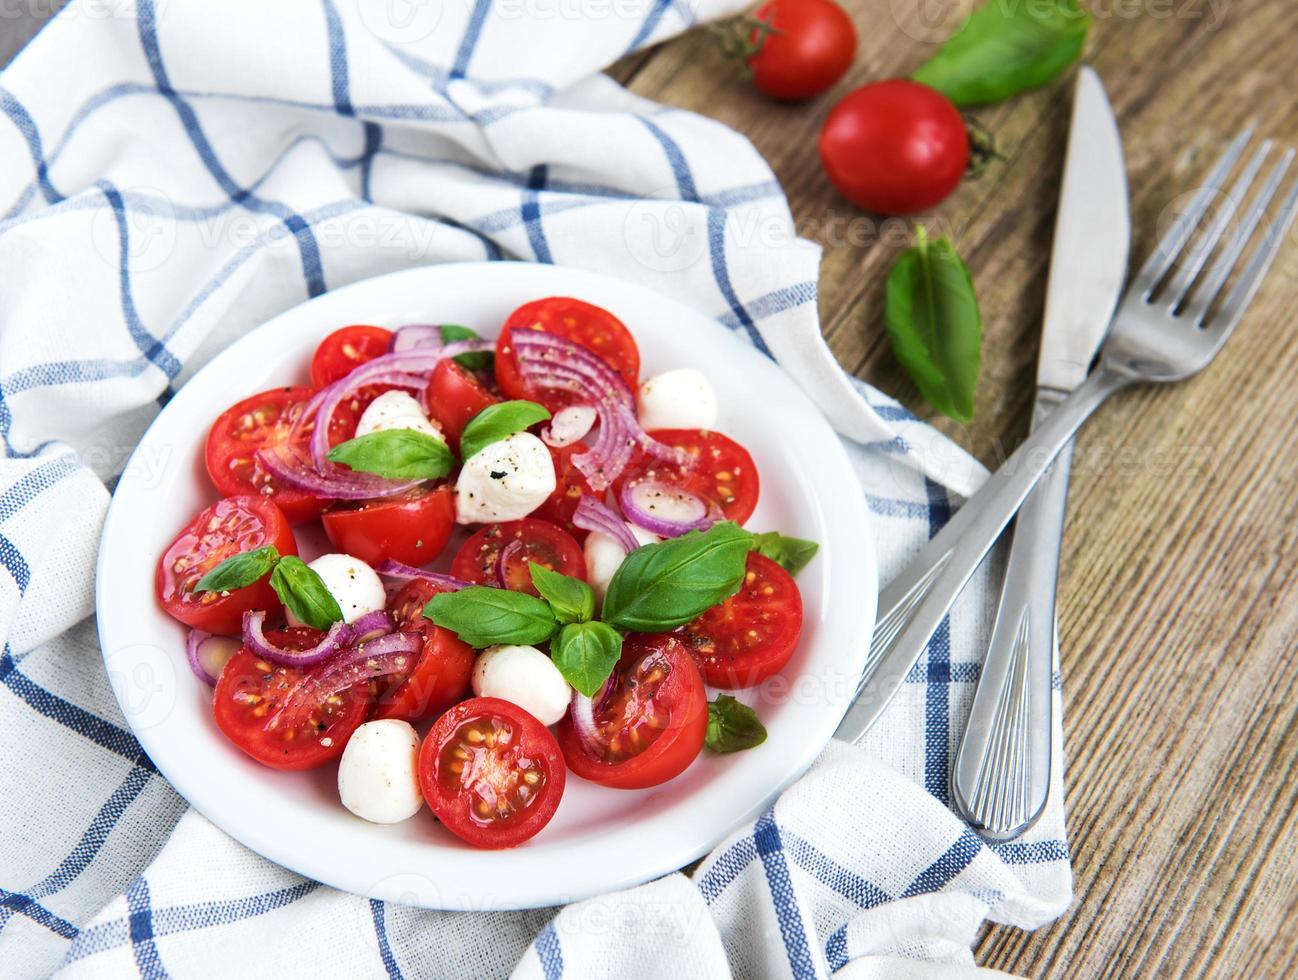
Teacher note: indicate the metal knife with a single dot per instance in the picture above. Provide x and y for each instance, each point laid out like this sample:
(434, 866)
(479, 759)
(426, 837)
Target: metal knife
(1092, 239)
(1001, 777)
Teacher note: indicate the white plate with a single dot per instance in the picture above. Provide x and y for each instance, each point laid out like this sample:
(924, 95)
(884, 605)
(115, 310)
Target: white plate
(600, 839)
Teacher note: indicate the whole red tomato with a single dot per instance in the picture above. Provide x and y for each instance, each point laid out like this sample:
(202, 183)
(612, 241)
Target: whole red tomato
(894, 147)
(809, 47)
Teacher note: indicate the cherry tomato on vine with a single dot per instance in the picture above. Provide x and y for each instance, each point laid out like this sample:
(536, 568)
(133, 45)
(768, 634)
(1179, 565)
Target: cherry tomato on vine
(895, 147)
(808, 47)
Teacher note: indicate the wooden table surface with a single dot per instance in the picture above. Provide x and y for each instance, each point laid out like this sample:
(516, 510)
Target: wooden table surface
(1179, 591)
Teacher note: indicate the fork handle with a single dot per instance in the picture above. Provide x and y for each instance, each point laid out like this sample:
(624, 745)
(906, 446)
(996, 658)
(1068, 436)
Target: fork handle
(1001, 776)
(914, 619)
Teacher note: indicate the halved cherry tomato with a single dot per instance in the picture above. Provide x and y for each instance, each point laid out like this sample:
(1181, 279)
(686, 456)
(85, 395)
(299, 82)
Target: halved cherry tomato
(721, 472)
(263, 421)
(412, 528)
(570, 484)
(251, 692)
(454, 397)
(441, 674)
(219, 532)
(491, 773)
(345, 349)
(751, 635)
(592, 327)
(650, 718)
(478, 559)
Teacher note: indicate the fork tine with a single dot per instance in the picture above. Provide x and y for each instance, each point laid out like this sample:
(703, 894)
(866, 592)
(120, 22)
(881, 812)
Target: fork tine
(1258, 265)
(1165, 253)
(1210, 287)
(1197, 256)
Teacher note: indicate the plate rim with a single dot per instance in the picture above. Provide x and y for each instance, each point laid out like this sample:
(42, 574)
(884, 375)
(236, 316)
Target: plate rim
(269, 845)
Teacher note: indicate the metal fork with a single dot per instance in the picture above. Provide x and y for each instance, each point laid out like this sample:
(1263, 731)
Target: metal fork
(1171, 323)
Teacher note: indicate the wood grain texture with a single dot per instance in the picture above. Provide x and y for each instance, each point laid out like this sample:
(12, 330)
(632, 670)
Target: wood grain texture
(1179, 590)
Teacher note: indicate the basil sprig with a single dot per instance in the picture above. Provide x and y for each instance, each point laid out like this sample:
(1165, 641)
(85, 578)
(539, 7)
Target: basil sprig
(791, 554)
(239, 570)
(934, 324)
(483, 616)
(304, 593)
(586, 654)
(398, 454)
(571, 599)
(478, 360)
(499, 421)
(657, 587)
(732, 726)
(1005, 49)
(664, 585)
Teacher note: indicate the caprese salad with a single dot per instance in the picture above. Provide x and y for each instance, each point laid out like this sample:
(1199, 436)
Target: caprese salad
(604, 586)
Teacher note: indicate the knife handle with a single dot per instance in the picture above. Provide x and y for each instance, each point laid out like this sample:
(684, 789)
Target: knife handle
(1001, 776)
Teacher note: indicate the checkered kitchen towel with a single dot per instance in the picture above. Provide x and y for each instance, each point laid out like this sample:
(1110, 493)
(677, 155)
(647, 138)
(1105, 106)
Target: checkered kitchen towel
(174, 173)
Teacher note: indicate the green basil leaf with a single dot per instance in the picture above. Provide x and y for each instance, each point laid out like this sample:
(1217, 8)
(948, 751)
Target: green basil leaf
(484, 617)
(398, 454)
(934, 324)
(660, 586)
(303, 592)
(792, 554)
(586, 654)
(239, 570)
(572, 600)
(478, 361)
(1005, 49)
(732, 726)
(496, 422)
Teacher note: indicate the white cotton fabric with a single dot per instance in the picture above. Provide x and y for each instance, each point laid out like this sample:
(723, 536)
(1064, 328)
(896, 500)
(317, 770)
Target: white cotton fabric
(176, 174)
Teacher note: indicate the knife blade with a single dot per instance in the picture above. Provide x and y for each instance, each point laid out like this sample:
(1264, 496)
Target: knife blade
(1088, 262)
(1084, 286)
(1001, 778)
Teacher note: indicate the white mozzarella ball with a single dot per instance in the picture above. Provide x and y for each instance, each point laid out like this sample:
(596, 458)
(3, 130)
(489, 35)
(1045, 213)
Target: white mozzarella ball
(680, 399)
(523, 676)
(395, 410)
(604, 556)
(504, 481)
(355, 585)
(378, 776)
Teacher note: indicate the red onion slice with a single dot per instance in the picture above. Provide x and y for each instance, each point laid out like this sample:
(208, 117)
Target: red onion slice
(569, 425)
(372, 625)
(549, 361)
(340, 637)
(404, 572)
(665, 509)
(582, 712)
(339, 484)
(595, 516)
(417, 360)
(207, 654)
(503, 559)
(384, 657)
(417, 335)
